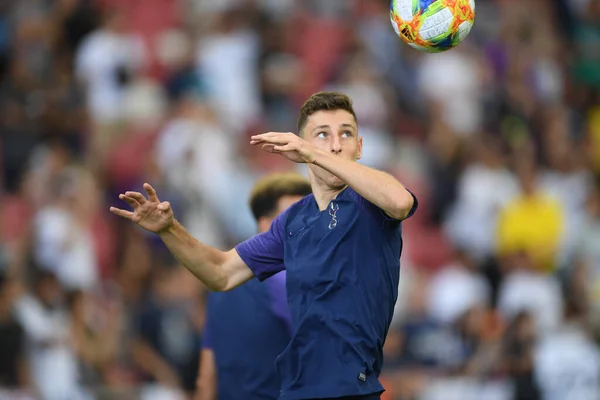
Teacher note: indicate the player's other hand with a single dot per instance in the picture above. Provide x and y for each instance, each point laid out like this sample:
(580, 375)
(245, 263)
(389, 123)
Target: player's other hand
(149, 213)
(289, 145)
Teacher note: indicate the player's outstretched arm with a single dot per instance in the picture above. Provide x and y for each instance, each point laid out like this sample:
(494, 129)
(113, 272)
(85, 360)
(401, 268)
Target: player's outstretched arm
(218, 270)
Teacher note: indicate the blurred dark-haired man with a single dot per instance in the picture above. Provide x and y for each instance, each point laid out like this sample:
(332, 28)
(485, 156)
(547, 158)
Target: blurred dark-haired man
(248, 327)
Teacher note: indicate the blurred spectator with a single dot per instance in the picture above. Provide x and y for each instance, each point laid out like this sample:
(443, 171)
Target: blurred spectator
(77, 19)
(485, 187)
(532, 222)
(456, 289)
(94, 336)
(412, 355)
(168, 333)
(63, 240)
(51, 357)
(14, 373)
(587, 254)
(190, 144)
(445, 163)
(565, 178)
(519, 348)
(106, 63)
(586, 35)
(457, 77)
(524, 288)
(176, 55)
(227, 58)
(567, 363)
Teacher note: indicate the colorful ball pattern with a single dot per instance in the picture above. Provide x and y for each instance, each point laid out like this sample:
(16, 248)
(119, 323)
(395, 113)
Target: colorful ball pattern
(432, 26)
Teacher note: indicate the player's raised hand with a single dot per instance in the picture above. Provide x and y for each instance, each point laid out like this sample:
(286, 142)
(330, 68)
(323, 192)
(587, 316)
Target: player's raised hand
(289, 145)
(149, 213)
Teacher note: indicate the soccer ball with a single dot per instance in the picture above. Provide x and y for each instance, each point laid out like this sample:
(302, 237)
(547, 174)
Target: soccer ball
(432, 26)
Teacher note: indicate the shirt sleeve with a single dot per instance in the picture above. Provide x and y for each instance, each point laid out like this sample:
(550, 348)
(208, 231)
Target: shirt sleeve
(415, 205)
(263, 253)
(379, 215)
(278, 296)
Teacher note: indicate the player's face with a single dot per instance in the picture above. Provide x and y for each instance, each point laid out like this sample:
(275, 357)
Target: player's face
(282, 205)
(337, 133)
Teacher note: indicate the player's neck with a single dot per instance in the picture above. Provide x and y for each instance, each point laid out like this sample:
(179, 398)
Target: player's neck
(322, 191)
(324, 194)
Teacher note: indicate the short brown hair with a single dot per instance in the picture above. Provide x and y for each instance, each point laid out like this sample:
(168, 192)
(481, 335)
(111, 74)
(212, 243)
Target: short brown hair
(324, 101)
(268, 191)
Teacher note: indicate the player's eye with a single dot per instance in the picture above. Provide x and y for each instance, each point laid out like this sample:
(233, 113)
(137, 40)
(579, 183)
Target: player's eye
(322, 135)
(347, 134)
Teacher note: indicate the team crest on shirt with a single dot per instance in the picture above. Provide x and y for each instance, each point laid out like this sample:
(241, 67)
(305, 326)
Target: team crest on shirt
(332, 212)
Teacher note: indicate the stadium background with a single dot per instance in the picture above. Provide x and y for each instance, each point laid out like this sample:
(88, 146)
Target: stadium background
(499, 138)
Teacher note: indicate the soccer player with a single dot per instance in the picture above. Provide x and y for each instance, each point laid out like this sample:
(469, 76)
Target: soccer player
(249, 326)
(340, 247)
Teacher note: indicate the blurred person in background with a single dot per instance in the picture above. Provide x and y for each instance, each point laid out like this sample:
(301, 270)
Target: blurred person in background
(234, 366)
(565, 178)
(167, 331)
(532, 222)
(94, 333)
(445, 158)
(525, 288)
(412, 357)
(63, 234)
(227, 56)
(484, 188)
(567, 362)
(14, 369)
(585, 30)
(460, 79)
(457, 288)
(426, 359)
(281, 73)
(587, 256)
(106, 63)
(189, 144)
(50, 353)
(518, 357)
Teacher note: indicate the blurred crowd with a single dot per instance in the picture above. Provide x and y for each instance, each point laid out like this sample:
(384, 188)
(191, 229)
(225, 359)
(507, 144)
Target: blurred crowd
(499, 138)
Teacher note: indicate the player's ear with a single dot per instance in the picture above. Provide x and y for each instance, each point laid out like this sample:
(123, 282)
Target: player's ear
(359, 148)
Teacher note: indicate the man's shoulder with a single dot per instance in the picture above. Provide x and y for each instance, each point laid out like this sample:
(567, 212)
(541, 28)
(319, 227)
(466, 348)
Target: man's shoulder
(365, 207)
(303, 202)
(299, 207)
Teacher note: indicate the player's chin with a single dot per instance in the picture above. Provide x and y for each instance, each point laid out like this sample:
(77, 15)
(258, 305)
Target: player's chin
(335, 183)
(332, 181)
